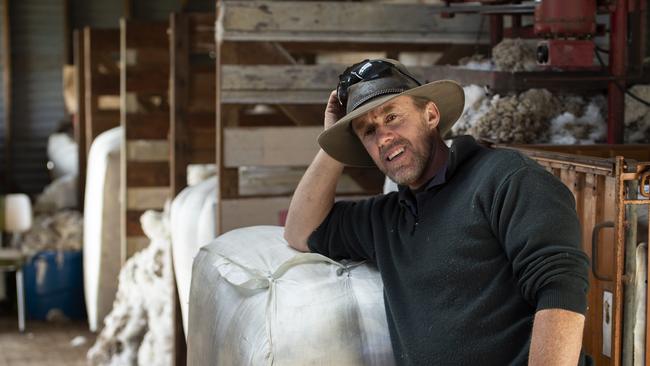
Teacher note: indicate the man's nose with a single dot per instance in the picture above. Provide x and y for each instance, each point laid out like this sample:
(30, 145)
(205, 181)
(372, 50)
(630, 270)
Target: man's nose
(384, 136)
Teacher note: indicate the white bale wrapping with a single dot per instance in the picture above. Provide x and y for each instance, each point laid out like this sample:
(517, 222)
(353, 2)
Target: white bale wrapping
(101, 237)
(62, 151)
(58, 195)
(192, 226)
(256, 301)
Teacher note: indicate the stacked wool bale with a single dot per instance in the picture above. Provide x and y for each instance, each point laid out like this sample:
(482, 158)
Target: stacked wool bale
(529, 117)
(637, 115)
(138, 331)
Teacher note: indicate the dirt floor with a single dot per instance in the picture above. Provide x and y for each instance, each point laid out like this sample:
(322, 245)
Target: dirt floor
(43, 343)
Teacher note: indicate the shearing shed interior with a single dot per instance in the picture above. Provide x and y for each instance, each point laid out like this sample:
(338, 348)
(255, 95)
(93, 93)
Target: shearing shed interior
(152, 153)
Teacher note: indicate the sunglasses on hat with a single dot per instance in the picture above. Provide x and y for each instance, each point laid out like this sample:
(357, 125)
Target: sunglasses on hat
(364, 71)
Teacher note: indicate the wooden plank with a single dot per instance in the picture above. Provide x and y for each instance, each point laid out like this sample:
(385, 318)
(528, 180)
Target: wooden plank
(291, 21)
(252, 211)
(146, 174)
(206, 156)
(147, 198)
(201, 91)
(267, 146)
(107, 103)
(201, 139)
(133, 226)
(179, 70)
(588, 220)
(101, 77)
(150, 126)
(201, 32)
(147, 150)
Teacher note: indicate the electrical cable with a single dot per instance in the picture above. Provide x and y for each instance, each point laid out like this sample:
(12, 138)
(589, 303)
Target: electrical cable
(620, 87)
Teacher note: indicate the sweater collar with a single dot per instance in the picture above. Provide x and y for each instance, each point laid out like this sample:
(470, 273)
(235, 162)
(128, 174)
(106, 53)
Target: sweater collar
(462, 148)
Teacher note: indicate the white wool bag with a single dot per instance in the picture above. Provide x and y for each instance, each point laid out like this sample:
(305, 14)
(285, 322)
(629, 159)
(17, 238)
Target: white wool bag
(101, 237)
(256, 301)
(192, 226)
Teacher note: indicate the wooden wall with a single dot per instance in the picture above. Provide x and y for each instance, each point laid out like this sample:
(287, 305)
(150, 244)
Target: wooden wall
(144, 83)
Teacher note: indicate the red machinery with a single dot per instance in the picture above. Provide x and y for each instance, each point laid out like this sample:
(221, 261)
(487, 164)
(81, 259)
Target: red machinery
(568, 27)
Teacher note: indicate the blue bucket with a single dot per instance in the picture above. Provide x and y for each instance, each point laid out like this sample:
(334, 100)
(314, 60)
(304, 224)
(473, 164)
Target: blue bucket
(54, 282)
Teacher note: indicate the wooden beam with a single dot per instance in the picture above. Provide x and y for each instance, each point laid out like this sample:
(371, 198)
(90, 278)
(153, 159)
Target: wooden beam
(79, 116)
(144, 83)
(179, 69)
(101, 76)
(299, 21)
(244, 212)
(270, 146)
(311, 84)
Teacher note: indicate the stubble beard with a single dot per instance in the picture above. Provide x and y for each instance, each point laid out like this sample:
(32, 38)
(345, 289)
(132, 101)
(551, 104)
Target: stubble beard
(410, 171)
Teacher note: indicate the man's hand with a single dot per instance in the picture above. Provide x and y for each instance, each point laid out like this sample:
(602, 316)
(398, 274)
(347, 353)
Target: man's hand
(557, 338)
(334, 110)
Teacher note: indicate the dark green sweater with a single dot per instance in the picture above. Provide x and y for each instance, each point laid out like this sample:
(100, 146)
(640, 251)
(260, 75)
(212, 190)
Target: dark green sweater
(466, 267)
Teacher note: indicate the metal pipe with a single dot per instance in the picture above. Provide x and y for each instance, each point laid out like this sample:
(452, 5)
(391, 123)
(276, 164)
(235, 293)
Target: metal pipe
(629, 291)
(617, 59)
(496, 29)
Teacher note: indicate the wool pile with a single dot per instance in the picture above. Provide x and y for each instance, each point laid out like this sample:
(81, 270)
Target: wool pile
(138, 331)
(534, 116)
(637, 115)
(514, 55)
(60, 230)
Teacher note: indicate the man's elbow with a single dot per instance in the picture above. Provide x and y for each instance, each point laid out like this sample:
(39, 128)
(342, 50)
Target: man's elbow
(296, 241)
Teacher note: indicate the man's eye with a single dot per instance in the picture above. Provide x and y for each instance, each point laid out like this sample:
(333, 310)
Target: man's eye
(369, 132)
(391, 117)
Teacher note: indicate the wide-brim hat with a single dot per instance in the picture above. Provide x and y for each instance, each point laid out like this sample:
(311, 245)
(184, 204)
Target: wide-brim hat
(341, 143)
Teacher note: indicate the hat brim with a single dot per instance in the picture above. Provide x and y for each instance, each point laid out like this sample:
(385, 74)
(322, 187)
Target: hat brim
(341, 143)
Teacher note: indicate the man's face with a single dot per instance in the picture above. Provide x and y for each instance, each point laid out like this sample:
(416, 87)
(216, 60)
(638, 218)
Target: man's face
(400, 139)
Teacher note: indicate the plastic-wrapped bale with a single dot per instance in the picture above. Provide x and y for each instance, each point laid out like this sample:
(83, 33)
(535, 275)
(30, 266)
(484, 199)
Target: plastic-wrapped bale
(58, 195)
(101, 236)
(62, 152)
(138, 331)
(256, 301)
(192, 226)
(637, 115)
(514, 55)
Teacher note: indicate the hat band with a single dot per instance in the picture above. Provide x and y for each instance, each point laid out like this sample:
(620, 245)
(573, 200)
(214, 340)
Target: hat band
(375, 94)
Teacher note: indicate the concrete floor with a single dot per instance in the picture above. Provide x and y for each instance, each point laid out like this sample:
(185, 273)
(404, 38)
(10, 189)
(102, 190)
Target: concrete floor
(43, 343)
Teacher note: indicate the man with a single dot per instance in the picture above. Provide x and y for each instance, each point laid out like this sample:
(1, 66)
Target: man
(478, 251)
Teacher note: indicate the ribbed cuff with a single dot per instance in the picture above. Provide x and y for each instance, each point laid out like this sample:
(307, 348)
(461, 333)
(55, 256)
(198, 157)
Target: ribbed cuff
(562, 296)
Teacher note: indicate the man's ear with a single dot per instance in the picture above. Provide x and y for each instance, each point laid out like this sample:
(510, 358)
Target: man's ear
(432, 115)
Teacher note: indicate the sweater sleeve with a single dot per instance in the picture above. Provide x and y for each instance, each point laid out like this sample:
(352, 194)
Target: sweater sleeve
(346, 232)
(534, 216)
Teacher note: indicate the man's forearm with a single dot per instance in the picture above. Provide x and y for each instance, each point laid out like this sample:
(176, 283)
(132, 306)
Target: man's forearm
(312, 200)
(557, 338)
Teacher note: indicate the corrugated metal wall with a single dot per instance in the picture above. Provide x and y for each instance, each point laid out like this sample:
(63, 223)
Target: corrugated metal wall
(154, 9)
(37, 42)
(3, 189)
(96, 13)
